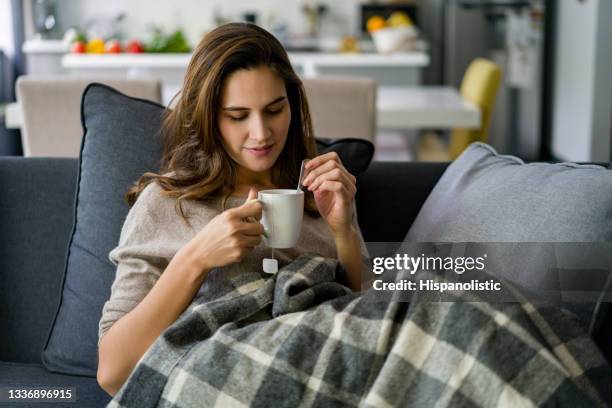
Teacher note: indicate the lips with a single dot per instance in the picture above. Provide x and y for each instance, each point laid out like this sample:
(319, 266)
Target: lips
(260, 151)
(260, 148)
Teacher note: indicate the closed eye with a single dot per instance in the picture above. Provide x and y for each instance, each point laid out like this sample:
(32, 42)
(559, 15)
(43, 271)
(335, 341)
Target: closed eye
(280, 105)
(237, 118)
(243, 117)
(275, 112)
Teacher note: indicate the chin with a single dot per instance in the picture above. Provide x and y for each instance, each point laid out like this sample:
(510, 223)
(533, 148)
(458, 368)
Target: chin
(259, 167)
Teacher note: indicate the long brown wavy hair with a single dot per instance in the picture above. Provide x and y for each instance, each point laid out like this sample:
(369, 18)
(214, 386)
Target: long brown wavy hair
(195, 165)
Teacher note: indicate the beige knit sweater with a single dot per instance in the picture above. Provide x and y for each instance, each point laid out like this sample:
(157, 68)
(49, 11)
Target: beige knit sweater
(153, 232)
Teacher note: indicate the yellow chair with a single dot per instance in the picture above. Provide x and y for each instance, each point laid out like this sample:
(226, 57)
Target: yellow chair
(479, 86)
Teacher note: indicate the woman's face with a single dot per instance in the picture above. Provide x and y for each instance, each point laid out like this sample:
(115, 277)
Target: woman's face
(254, 118)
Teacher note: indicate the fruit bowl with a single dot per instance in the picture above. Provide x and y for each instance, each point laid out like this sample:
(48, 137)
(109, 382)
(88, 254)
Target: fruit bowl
(394, 39)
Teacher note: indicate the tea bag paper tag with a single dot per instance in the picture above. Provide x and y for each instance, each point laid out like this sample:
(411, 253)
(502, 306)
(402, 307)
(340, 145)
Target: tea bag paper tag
(270, 265)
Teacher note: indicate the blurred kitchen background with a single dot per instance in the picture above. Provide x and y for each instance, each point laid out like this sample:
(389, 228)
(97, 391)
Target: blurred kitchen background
(553, 102)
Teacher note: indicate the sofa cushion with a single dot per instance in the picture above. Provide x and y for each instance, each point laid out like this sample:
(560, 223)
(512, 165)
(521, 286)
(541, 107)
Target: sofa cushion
(36, 206)
(405, 186)
(547, 226)
(87, 392)
(120, 143)
(355, 154)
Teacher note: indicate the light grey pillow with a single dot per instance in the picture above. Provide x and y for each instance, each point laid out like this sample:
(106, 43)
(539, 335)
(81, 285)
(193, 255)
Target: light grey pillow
(486, 197)
(531, 217)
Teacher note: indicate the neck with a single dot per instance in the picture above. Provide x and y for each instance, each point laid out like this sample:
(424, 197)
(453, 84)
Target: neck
(247, 179)
(251, 177)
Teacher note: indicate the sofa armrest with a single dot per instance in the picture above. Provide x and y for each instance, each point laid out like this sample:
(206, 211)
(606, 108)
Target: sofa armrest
(390, 195)
(36, 217)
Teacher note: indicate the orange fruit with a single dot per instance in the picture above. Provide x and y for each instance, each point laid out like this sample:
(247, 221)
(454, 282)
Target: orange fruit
(399, 19)
(375, 23)
(95, 46)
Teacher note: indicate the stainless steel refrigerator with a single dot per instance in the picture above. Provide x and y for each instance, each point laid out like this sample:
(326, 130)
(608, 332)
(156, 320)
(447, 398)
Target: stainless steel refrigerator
(514, 34)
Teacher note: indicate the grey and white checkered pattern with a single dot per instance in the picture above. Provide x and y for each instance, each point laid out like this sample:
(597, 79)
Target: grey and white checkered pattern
(299, 338)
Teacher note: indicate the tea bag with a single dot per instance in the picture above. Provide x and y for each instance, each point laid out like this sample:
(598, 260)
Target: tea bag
(270, 265)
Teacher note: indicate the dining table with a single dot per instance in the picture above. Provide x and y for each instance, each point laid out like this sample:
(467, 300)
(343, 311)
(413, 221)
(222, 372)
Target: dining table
(424, 107)
(397, 107)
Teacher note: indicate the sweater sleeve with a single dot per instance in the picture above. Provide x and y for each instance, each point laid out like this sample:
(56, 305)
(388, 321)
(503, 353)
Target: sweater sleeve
(143, 253)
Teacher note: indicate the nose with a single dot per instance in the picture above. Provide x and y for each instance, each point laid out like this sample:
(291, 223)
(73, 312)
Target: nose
(258, 128)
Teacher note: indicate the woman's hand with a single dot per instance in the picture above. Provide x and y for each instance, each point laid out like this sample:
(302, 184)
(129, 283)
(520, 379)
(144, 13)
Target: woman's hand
(334, 191)
(229, 236)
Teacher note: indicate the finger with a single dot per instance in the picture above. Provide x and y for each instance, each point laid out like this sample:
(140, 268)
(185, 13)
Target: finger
(332, 186)
(253, 197)
(254, 218)
(326, 167)
(251, 208)
(353, 178)
(252, 194)
(251, 228)
(323, 168)
(317, 161)
(250, 241)
(337, 189)
(334, 175)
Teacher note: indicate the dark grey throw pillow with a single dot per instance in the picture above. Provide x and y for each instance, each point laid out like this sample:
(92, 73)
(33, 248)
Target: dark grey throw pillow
(547, 227)
(120, 143)
(355, 154)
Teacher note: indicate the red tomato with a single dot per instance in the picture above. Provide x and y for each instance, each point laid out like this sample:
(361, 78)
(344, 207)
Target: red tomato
(78, 47)
(134, 46)
(113, 47)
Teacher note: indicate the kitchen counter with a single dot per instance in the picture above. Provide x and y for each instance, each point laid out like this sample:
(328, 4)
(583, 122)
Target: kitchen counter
(310, 62)
(326, 58)
(45, 47)
(50, 57)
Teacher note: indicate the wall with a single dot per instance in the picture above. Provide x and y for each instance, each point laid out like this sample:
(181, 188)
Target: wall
(7, 50)
(197, 16)
(601, 143)
(6, 28)
(582, 94)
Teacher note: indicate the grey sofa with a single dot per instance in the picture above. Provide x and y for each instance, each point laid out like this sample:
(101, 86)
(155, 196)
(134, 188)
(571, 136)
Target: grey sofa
(36, 215)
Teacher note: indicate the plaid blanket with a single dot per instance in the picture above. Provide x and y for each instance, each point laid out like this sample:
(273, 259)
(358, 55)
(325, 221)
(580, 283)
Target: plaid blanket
(299, 338)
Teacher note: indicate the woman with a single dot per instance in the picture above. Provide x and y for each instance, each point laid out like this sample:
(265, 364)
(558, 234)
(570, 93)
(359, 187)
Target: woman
(241, 124)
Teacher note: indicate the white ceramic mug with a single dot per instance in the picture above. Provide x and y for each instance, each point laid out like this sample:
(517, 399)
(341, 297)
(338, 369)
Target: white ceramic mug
(283, 210)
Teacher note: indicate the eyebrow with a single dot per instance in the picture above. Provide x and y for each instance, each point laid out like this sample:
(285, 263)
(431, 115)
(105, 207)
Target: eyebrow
(239, 108)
